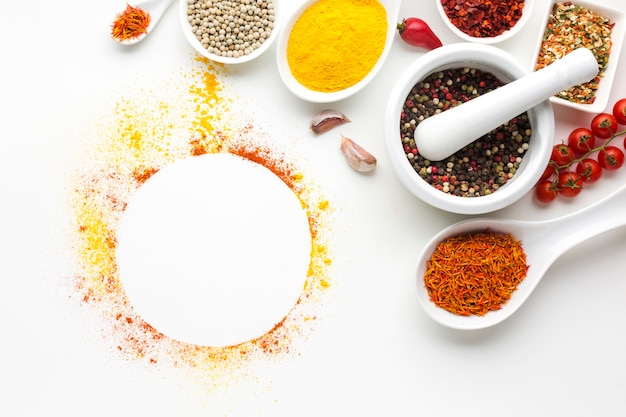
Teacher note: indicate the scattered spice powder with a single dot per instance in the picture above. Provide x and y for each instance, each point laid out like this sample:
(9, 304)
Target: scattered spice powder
(571, 27)
(334, 44)
(475, 273)
(130, 24)
(483, 19)
(481, 167)
(140, 139)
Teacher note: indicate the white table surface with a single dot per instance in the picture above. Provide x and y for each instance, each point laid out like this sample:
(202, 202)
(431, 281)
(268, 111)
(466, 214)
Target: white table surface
(373, 351)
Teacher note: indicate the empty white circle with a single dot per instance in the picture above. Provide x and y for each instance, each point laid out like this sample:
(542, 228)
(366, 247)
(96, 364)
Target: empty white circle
(213, 250)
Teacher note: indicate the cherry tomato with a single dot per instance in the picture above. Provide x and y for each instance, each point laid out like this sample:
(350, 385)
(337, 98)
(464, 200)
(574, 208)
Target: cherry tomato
(619, 111)
(545, 191)
(547, 173)
(569, 184)
(611, 158)
(603, 125)
(562, 154)
(589, 170)
(581, 140)
(416, 32)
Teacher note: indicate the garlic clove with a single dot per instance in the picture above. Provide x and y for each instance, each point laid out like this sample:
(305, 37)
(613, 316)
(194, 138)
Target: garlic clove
(358, 158)
(327, 119)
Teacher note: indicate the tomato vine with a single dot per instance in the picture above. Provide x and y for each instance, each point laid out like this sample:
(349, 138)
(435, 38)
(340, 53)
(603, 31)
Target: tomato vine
(582, 160)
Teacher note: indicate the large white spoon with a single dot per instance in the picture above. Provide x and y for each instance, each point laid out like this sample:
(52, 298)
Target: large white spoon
(156, 9)
(442, 135)
(542, 241)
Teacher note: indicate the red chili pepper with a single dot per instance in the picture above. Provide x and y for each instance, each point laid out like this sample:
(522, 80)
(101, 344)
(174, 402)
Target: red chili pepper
(416, 32)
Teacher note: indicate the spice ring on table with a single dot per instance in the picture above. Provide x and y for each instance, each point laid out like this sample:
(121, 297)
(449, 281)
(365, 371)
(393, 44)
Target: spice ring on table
(519, 151)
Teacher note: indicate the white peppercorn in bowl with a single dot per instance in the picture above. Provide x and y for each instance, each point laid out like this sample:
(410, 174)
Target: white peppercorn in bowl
(506, 34)
(536, 152)
(590, 34)
(235, 50)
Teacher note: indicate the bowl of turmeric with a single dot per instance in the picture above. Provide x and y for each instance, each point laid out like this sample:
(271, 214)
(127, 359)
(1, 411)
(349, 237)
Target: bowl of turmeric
(329, 50)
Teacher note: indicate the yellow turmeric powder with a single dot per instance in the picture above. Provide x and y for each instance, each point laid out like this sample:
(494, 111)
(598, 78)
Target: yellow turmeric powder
(334, 44)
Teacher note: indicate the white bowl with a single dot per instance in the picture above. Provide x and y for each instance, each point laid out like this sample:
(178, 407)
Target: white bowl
(526, 12)
(505, 67)
(195, 43)
(392, 8)
(606, 81)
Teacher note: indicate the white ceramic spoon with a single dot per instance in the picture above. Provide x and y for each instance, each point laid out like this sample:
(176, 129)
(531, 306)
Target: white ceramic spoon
(442, 135)
(157, 9)
(542, 241)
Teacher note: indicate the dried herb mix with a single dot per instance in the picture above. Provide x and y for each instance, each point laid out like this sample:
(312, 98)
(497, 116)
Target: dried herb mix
(571, 27)
(479, 168)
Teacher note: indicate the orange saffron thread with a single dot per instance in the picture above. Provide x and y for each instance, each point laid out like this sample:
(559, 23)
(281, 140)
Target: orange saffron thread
(474, 273)
(131, 23)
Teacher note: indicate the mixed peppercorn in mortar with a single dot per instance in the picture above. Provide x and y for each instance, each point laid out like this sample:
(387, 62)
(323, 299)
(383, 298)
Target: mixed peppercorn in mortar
(571, 27)
(479, 168)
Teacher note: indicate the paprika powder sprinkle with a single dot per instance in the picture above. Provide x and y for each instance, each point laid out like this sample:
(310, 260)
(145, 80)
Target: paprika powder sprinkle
(483, 18)
(130, 24)
(475, 273)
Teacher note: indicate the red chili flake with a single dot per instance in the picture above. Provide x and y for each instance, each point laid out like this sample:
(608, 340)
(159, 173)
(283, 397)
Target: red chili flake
(483, 19)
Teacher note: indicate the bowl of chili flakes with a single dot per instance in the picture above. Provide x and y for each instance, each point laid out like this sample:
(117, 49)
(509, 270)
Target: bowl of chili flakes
(485, 22)
(571, 25)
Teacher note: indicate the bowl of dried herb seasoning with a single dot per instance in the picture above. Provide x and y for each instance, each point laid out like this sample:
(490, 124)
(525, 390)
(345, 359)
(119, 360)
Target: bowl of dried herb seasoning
(230, 32)
(488, 174)
(582, 24)
(485, 22)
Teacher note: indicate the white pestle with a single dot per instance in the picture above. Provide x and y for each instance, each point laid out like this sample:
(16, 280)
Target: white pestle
(441, 135)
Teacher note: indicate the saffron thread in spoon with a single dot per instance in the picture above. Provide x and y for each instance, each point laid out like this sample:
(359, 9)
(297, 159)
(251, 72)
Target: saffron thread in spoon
(130, 24)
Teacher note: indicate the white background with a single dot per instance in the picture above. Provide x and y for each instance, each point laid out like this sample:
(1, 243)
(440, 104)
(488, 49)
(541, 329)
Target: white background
(375, 353)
